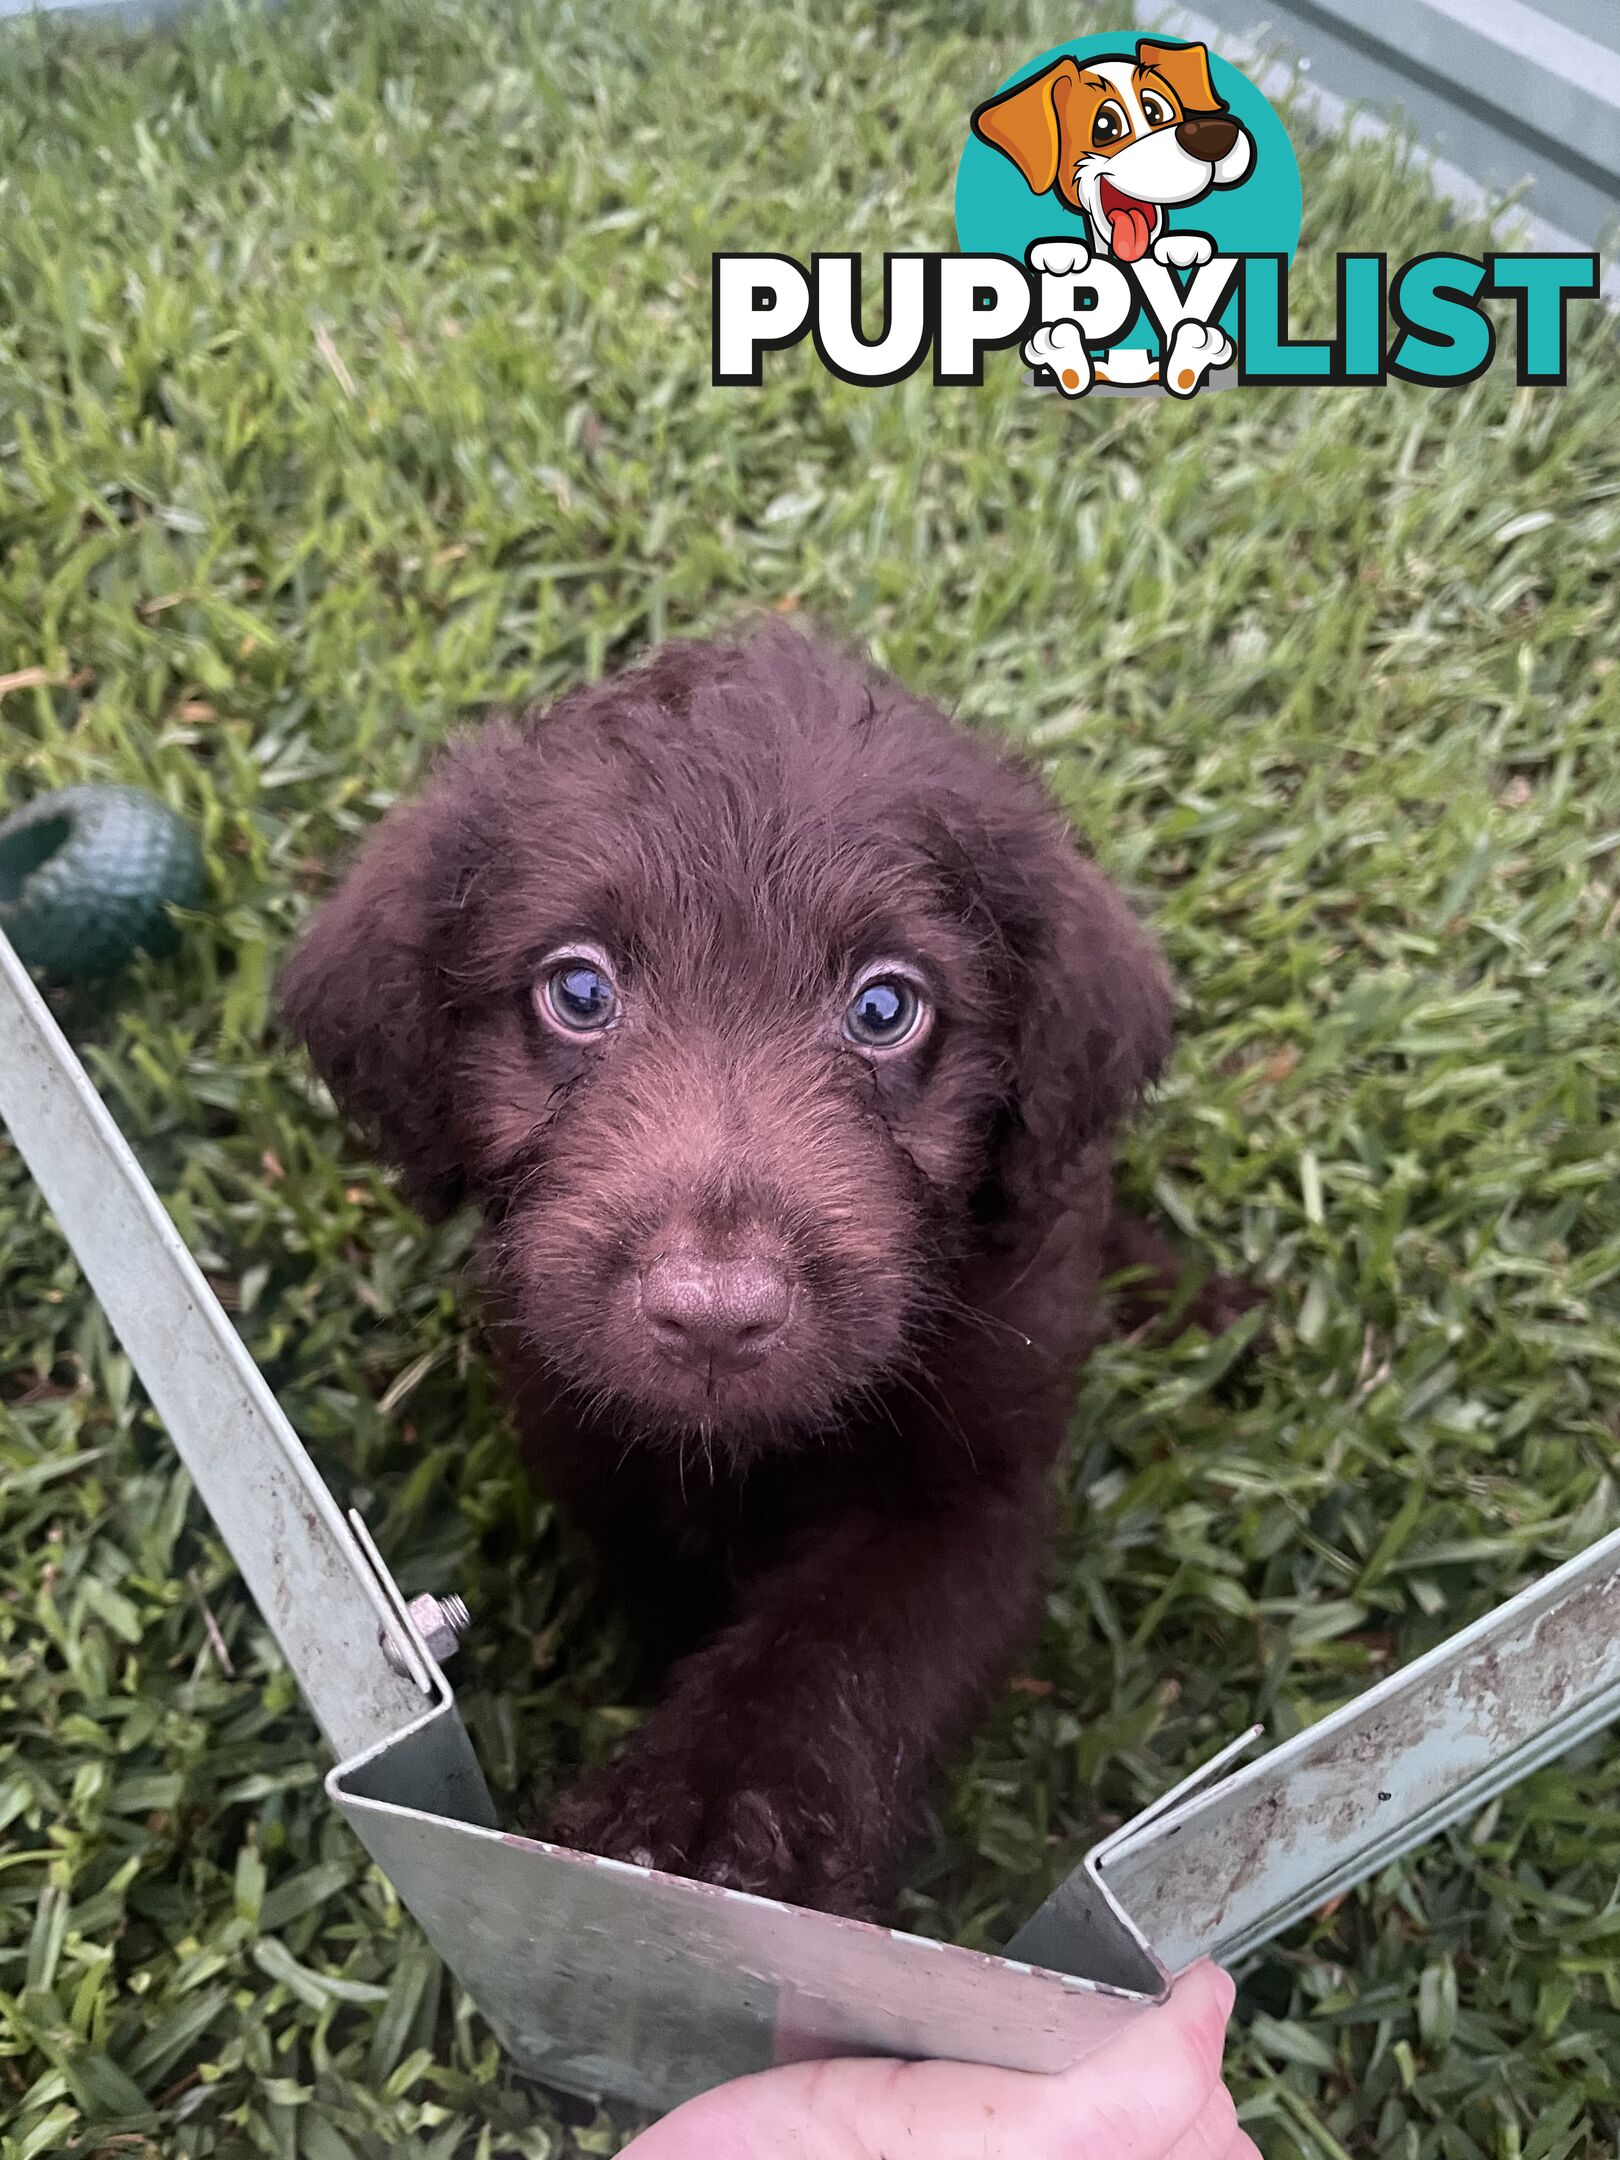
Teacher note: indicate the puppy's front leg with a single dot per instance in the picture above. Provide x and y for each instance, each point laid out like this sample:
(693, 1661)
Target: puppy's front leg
(787, 1755)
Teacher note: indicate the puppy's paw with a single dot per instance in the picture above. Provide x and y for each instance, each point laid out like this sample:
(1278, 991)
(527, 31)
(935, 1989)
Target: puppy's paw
(769, 1836)
(1183, 250)
(1059, 258)
(776, 1843)
(1061, 347)
(631, 1810)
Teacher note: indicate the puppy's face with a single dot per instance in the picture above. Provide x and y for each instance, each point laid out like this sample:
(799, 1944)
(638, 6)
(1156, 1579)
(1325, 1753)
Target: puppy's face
(1121, 138)
(718, 988)
(726, 1072)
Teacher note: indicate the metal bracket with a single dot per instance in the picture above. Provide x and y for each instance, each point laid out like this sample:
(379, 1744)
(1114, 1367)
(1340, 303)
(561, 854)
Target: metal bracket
(607, 1978)
(1220, 1873)
(286, 1533)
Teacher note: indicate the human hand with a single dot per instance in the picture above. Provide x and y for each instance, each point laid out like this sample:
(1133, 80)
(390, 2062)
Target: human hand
(1155, 2093)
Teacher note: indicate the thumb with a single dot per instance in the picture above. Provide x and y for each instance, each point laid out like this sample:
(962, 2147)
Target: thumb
(1137, 2097)
(1131, 2100)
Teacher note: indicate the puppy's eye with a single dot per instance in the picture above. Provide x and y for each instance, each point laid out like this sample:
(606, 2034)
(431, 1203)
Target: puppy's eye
(1110, 126)
(887, 1013)
(576, 994)
(1155, 111)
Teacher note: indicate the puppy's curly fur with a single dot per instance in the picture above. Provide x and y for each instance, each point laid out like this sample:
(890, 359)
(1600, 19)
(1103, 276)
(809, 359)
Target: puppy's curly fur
(843, 1536)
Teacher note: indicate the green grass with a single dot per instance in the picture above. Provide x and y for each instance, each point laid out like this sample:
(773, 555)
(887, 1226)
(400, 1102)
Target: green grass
(353, 373)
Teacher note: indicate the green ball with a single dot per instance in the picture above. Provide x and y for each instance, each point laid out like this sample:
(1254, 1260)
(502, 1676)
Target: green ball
(88, 875)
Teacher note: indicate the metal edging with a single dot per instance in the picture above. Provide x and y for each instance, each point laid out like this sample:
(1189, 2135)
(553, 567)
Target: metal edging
(609, 1979)
(1229, 1868)
(318, 1592)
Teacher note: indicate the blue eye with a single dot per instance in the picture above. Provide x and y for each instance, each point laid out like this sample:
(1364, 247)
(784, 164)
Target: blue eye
(886, 1012)
(579, 996)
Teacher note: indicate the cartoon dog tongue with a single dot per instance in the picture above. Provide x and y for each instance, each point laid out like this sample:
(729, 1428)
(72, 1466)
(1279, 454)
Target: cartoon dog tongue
(1130, 221)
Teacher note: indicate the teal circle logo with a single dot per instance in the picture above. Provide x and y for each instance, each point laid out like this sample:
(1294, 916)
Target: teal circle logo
(1114, 143)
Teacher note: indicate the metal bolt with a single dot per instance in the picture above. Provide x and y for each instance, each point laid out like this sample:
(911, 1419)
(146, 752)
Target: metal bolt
(441, 1623)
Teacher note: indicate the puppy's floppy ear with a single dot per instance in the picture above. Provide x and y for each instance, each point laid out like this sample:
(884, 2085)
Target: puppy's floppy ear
(1026, 122)
(1092, 1000)
(362, 992)
(1186, 69)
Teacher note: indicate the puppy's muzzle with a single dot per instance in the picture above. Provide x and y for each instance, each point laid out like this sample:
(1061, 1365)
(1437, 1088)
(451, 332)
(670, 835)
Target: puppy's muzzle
(1207, 137)
(715, 1315)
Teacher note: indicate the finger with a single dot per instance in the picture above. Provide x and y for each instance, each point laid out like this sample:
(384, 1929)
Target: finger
(1214, 2133)
(1217, 2135)
(1176, 2048)
(1129, 2100)
(1147, 2090)
(1242, 2147)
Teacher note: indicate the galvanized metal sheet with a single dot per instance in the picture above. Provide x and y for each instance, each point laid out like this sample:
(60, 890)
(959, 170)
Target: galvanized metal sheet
(1425, 1748)
(604, 1978)
(285, 1531)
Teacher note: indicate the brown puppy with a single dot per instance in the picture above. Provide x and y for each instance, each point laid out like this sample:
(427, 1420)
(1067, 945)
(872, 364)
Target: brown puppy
(779, 1032)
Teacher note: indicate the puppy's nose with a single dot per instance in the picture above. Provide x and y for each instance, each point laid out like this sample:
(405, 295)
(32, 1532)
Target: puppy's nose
(723, 1314)
(1207, 137)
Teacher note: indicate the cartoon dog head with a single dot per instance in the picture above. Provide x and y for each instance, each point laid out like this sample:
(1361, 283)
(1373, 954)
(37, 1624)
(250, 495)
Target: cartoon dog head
(1121, 139)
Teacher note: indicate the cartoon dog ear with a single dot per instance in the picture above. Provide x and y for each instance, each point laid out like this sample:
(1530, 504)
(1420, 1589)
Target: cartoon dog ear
(1186, 69)
(1026, 122)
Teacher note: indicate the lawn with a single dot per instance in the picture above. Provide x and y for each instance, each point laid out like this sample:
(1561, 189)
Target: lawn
(354, 373)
